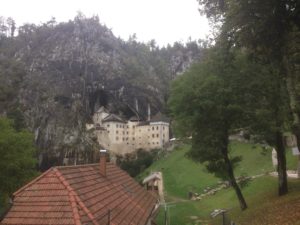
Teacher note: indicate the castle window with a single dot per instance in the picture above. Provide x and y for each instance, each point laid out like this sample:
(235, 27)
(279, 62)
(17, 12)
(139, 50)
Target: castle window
(153, 135)
(133, 138)
(163, 128)
(117, 132)
(157, 128)
(157, 135)
(107, 125)
(123, 139)
(127, 143)
(157, 142)
(127, 126)
(117, 138)
(117, 125)
(148, 143)
(152, 128)
(127, 132)
(163, 135)
(127, 139)
(123, 132)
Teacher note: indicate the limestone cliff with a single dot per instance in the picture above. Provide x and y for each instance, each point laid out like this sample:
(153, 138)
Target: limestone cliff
(73, 68)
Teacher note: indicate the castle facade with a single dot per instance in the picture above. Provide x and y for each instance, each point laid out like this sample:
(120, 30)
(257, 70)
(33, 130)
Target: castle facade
(125, 136)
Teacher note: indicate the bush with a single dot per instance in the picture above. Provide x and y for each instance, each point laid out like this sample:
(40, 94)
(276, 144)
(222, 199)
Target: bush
(135, 163)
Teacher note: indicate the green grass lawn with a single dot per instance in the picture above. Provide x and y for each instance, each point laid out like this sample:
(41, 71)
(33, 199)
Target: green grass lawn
(182, 175)
(259, 194)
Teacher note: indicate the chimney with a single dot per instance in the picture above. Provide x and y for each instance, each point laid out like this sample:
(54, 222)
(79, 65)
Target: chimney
(102, 166)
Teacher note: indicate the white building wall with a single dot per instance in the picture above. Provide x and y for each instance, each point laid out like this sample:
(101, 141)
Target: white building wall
(122, 138)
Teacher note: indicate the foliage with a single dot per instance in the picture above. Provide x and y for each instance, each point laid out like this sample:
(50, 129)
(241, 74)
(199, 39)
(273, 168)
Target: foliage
(11, 78)
(17, 161)
(136, 163)
(215, 108)
(270, 31)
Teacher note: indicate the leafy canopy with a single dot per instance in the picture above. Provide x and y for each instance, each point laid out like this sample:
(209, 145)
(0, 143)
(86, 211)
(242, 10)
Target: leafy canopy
(17, 161)
(205, 103)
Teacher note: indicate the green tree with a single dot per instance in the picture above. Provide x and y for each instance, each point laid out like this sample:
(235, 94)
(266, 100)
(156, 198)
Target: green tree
(205, 104)
(266, 110)
(17, 161)
(271, 30)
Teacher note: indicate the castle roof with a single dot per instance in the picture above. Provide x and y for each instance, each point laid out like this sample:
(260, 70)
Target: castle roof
(143, 123)
(134, 118)
(113, 118)
(159, 117)
(102, 109)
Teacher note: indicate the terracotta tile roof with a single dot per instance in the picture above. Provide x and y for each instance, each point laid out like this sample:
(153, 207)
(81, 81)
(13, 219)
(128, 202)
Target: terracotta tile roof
(80, 195)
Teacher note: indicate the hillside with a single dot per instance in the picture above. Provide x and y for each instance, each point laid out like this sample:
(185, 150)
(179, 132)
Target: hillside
(57, 74)
(182, 175)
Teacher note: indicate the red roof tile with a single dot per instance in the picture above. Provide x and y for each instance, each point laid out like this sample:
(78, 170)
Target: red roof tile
(81, 195)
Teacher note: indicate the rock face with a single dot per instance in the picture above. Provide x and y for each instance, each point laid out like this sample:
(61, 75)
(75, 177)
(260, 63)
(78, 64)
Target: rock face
(73, 68)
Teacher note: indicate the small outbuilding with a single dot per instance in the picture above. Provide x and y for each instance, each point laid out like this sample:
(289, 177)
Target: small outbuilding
(154, 182)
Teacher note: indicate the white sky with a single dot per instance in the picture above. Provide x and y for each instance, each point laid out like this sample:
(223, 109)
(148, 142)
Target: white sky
(166, 21)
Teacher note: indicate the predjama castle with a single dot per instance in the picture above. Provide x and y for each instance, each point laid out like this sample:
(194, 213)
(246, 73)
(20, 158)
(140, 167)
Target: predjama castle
(125, 136)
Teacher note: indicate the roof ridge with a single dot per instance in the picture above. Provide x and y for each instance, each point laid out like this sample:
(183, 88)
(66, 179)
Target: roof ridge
(31, 182)
(76, 215)
(73, 197)
(86, 210)
(76, 166)
(80, 165)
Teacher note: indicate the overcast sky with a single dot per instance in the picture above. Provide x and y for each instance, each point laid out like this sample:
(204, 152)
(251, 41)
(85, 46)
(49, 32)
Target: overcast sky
(166, 21)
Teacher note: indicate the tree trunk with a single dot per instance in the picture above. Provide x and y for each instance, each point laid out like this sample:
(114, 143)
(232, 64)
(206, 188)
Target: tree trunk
(234, 184)
(293, 103)
(293, 106)
(231, 176)
(282, 175)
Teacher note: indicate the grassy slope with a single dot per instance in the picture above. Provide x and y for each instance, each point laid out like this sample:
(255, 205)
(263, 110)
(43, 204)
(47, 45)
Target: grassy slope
(182, 175)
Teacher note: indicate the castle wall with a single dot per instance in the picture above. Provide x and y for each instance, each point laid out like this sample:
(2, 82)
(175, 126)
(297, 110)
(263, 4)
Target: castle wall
(126, 137)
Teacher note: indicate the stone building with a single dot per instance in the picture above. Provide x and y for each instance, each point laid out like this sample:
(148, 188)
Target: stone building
(125, 136)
